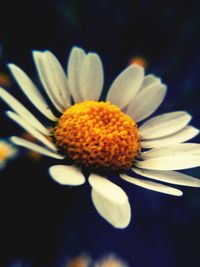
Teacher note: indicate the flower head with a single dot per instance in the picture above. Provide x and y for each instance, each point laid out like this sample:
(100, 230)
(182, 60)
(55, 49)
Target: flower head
(105, 136)
(98, 135)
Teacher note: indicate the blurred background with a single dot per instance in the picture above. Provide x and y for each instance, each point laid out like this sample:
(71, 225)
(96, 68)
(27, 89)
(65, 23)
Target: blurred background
(43, 223)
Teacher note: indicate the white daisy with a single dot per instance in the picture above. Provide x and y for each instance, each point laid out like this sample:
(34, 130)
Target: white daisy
(104, 136)
(7, 152)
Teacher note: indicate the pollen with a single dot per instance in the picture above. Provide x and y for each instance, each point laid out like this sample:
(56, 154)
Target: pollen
(98, 135)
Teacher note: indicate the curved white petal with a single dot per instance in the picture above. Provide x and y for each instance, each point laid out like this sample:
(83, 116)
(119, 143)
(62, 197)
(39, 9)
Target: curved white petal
(76, 58)
(165, 124)
(146, 101)
(107, 189)
(183, 149)
(117, 215)
(91, 77)
(24, 124)
(67, 175)
(149, 80)
(174, 162)
(15, 105)
(44, 151)
(48, 82)
(57, 79)
(31, 91)
(152, 185)
(169, 177)
(183, 135)
(126, 86)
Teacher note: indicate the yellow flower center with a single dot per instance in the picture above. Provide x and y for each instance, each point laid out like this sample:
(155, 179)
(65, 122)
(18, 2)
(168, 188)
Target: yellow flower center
(98, 135)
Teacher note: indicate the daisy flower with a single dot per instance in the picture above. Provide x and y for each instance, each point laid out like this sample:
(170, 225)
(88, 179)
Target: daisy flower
(7, 152)
(104, 137)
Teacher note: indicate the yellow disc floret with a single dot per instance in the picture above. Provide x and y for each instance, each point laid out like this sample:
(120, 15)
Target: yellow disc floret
(98, 135)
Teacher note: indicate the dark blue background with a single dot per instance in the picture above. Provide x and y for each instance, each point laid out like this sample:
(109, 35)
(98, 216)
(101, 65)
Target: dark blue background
(42, 222)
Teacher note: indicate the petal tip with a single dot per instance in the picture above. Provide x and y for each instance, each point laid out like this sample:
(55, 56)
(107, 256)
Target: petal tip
(179, 194)
(76, 49)
(11, 66)
(36, 53)
(117, 215)
(66, 175)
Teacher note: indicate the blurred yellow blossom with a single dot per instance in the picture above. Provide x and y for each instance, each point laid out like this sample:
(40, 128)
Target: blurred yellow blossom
(7, 151)
(139, 60)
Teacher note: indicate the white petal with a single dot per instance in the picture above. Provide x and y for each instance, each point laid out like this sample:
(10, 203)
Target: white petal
(177, 150)
(149, 80)
(57, 79)
(146, 101)
(67, 175)
(74, 66)
(91, 77)
(169, 177)
(152, 185)
(46, 79)
(24, 124)
(126, 86)
(174, 162)
(117, 215)
(44, 151)
(31, 91)
(164, 124)
(107, 189)
(21, 110)
(183, 135)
